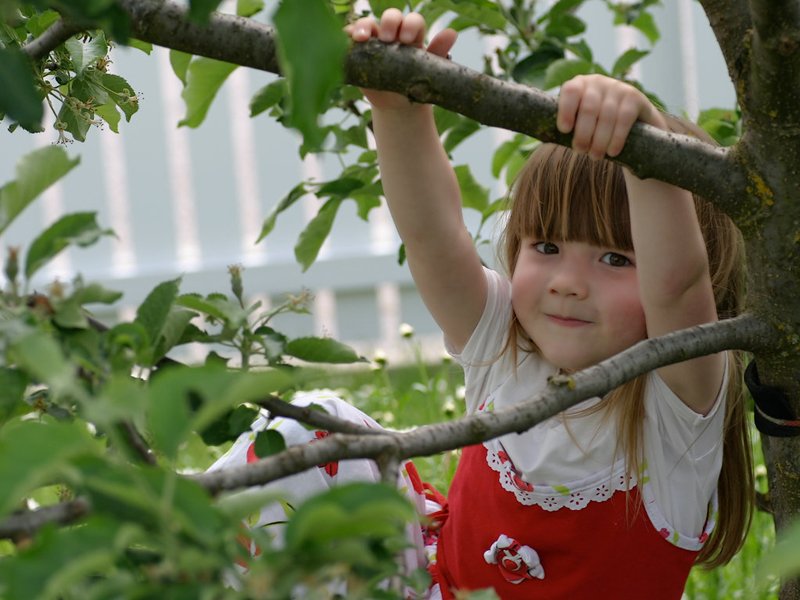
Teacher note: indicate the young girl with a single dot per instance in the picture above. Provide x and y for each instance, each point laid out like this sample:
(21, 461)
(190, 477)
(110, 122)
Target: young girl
(622, 495)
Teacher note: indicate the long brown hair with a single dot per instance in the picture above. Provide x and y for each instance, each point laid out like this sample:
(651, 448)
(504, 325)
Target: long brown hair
(563, 195)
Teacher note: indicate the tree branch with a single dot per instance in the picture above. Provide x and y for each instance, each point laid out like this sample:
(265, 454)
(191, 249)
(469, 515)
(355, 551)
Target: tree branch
(55, 35)
(25, 524)
(745, 332)
(690, 164)
(731, 24)
(316, 418)
(774, 73)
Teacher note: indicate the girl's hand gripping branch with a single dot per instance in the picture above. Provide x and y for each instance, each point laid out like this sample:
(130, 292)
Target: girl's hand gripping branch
(670, 253)
(421, 188)
(408, 30)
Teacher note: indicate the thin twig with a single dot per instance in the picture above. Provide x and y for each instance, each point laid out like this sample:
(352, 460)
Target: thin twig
(310, 416)
(137, 442)
(25, 524)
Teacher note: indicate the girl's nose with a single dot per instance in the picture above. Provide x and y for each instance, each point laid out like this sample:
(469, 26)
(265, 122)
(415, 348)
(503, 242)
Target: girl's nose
(570, 280)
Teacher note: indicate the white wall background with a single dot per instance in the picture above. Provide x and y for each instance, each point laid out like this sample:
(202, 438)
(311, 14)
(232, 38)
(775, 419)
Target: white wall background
(191, 202)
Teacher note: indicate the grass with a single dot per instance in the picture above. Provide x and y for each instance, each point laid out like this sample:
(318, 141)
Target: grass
(411, 395)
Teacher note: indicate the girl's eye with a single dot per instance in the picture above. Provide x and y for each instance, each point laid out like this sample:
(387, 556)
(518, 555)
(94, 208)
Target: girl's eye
(546, 248)
(616, 260)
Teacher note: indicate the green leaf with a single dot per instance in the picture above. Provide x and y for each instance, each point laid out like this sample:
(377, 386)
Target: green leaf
(315, 233)
(460, 132)
(153, 313)
(74, 121)
(80, 229)
(200, 10)
(19, 98)
(172, 333)
(86, 54)
(36, 171)
(212, 390)
(562, 7)
(565, 69)
(61, 561)
(145, 47)
(473, 195)
(248, 8)
(37, 24)
(313, 71)
(532, 69)
(12, 390)
(109, 114)
(204, 78)
(293, 196)
(269, 442)
(216, 306)
(229, 427)
(504, 152)
(322, 350)
(180, 63)
(33, 453)
(480, 12)
(121, 93)
(647, 25)
(268, 96)
(626, 60)
(565, 26)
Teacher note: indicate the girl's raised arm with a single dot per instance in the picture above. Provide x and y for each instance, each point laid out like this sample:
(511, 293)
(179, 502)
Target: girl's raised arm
(422, 191)
(671, 258)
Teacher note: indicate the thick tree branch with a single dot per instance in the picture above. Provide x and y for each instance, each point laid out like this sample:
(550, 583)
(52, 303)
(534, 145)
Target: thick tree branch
(745, 332)
(25, 524)
(730, 20)
(775, 64)
(55, 35)
(693, 165)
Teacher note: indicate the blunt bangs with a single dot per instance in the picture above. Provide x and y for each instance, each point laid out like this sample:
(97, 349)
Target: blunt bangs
(561, 195)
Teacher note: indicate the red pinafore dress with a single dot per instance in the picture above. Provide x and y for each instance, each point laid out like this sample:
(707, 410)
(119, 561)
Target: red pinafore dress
(606, 550)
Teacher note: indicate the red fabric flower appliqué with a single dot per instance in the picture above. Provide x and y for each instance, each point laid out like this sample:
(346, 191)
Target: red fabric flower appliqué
(517, 563)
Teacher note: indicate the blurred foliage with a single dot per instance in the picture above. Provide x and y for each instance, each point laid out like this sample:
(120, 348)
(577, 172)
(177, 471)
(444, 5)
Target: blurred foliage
(103, 414)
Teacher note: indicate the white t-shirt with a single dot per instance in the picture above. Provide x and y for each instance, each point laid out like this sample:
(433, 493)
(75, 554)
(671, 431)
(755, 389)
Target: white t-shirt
(573, 461)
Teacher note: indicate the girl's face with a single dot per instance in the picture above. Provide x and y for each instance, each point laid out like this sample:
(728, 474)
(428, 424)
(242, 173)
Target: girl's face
(579, 303)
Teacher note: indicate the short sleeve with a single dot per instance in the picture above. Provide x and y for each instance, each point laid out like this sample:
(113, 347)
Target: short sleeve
(482, 358)
(683, 450)
(489, 336)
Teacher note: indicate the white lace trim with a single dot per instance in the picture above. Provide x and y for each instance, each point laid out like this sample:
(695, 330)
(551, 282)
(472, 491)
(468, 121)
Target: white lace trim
(597, 487)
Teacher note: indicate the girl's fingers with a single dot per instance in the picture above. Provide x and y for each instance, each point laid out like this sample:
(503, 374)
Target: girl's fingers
(443, 42)
(586, 119)
(627, 113)
(568, 101)
(389, 26)
(412, 30)
(605, 128)
(363, 29)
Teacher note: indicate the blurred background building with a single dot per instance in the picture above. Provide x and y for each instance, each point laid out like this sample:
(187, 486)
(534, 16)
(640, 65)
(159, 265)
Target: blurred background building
(189, 202)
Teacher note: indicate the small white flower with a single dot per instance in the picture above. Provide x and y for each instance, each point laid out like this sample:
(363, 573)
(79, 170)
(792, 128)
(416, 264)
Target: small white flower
(406, 331)
(761, 471)
(379, 358)
(461, 392)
